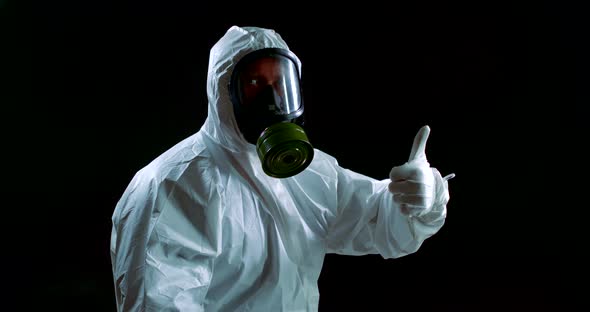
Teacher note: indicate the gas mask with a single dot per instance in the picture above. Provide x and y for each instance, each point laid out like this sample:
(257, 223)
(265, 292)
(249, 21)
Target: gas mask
(266, 96)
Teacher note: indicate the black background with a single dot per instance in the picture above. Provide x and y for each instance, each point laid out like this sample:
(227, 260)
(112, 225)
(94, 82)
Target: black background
(98, 89)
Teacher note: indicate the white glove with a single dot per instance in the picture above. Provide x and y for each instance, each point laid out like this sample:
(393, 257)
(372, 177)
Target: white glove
(413, 183)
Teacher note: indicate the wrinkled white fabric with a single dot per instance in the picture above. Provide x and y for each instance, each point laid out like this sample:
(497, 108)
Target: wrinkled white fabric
(202, 228)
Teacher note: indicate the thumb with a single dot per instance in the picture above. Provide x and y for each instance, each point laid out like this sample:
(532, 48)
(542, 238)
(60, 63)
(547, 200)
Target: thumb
(419, 147)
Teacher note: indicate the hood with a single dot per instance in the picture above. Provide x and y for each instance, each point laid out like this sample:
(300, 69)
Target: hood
(220, 124)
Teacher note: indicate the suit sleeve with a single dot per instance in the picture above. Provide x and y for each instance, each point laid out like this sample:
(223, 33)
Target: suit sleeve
(368, 221)
(162, 247)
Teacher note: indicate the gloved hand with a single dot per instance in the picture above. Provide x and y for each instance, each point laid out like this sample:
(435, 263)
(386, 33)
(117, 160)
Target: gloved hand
(413, 183)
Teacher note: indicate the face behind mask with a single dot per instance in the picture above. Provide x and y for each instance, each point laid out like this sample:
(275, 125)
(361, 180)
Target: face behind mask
(267, 102)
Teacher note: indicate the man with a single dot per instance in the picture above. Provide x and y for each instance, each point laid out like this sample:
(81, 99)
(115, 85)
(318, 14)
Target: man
(239, 216)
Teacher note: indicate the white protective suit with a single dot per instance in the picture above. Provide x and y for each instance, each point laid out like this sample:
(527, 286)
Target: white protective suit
(203, 228)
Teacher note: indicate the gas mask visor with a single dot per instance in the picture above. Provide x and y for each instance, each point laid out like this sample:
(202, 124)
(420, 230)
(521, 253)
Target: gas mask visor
(266, 95)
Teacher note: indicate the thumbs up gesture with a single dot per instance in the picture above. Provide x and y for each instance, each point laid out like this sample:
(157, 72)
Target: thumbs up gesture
(413, 183)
